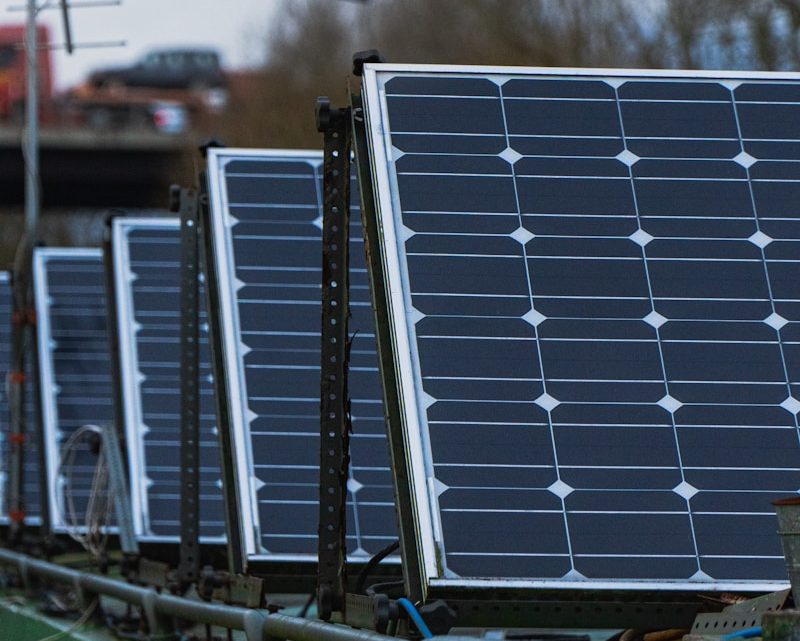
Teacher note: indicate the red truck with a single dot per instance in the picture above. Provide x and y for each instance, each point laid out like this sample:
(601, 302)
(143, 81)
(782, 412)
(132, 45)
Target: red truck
(12, 73)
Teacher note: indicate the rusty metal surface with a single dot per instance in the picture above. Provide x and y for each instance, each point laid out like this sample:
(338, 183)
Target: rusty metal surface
(738, 616)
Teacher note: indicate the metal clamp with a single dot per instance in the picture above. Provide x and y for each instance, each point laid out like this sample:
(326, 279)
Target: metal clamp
(239, 589)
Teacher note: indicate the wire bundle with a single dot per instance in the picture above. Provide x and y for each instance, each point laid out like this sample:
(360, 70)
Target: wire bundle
(92, 533)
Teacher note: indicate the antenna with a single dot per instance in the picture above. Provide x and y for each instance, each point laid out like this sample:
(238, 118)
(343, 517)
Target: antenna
(31, 135)
(67, 28)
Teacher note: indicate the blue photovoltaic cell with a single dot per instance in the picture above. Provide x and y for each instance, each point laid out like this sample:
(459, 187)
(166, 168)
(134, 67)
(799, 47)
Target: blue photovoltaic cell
(147, 254)
(74, 365)
(601, 280)
(31, 455)
(266, 230)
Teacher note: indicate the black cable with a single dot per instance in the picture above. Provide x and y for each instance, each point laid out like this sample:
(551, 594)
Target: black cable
(372, 563)
(311, 598)
(117, 627)
(380, 588)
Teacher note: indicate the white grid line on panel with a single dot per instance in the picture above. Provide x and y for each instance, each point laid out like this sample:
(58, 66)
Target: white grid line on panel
(653, 299)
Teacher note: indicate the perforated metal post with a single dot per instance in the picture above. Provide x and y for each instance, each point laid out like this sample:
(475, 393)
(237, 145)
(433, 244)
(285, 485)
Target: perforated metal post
(189, 564)
(22, 314)
(334, 401)
(15, 384)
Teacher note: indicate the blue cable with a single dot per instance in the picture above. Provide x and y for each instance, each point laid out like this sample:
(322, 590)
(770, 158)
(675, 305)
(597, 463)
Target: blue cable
(747, 633)
(415, 617)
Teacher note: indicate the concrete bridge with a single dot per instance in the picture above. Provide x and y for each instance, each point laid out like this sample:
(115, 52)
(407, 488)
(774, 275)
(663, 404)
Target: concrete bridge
(97, 169)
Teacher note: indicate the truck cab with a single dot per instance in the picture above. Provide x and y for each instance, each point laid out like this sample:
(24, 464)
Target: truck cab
(12, 72)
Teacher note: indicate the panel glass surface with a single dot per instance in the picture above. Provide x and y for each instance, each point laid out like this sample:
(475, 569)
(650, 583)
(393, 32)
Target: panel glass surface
(147, 254)
(266, 230)
(31, 454)
(74, 367)
(599, 327)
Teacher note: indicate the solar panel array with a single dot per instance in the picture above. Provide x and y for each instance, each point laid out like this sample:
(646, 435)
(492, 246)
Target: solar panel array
(74, 367)
(266, 232)
(146, 255)
(31, 452)
(598, 335)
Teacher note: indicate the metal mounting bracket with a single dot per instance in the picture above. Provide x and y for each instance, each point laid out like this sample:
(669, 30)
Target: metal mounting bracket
(335, 423)
(239, 589)
(152, 573)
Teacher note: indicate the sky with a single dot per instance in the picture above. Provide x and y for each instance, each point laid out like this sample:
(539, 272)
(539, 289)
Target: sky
(237, 28)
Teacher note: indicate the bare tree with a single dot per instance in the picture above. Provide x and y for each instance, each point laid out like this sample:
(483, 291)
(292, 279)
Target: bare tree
(308, 52)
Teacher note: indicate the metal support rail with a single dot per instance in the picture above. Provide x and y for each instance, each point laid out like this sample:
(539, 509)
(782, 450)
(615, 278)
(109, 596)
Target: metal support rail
(335, 425)
(256, 624)
(18, 432)
(189, 563)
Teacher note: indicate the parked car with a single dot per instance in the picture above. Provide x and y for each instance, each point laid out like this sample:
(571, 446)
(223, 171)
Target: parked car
(196, 69)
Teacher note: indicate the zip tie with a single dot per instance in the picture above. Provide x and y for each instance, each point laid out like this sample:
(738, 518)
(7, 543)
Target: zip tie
(17, 377)
(17, 439)
(17, 516)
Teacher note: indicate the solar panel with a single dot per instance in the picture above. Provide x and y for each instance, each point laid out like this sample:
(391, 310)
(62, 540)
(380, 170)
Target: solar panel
(146, 254)
(31, 460)
(594, 284)
(74, 369)
(265, 229)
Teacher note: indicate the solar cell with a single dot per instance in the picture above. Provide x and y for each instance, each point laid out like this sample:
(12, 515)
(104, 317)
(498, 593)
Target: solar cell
(74, 369)
(265, 232)
(31, 460)
(594, 290)
(147, 254)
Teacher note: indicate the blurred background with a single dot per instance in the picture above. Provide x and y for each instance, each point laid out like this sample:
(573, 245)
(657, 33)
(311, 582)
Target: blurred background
(120, 123)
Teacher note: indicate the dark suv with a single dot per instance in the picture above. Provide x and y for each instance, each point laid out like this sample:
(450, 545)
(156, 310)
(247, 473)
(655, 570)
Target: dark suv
(167, 69)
